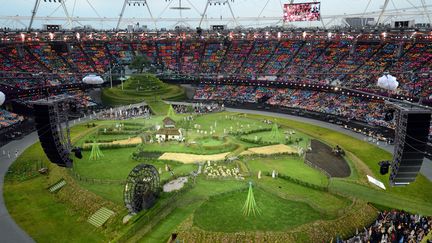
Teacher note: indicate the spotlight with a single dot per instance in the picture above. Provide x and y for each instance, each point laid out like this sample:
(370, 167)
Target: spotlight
(384, 167)
(77, 152)
(389, 115)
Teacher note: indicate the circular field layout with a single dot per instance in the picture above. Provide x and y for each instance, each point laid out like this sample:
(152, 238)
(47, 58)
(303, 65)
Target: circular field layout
(229, 151)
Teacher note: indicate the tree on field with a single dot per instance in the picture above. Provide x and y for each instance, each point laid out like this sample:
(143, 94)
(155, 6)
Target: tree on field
(139, 63)
(95, 153)
(276, 135)
(171, 112)
(250, 206)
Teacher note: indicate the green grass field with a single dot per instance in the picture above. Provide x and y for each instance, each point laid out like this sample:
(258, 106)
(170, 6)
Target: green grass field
(223, 213)
(292, 166)
(211, 206)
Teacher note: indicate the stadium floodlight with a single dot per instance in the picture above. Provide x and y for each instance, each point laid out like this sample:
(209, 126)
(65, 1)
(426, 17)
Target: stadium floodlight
(134, 3)
(218, 2)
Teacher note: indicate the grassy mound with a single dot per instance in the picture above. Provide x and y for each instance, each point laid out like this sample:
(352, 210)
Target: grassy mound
(143, 87)
(224, 213)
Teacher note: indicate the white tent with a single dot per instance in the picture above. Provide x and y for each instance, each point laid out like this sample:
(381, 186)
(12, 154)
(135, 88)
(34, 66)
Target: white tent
(388, 81)
(2, 98)
(93, 79)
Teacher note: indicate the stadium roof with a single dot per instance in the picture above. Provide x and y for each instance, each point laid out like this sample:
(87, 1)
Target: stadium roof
(104, 14)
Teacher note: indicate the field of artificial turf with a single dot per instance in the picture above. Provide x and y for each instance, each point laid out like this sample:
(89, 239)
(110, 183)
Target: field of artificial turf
(301, 205)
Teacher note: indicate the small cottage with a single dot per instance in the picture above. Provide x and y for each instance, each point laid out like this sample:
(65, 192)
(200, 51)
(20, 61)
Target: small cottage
(169, 132)
(168, 122)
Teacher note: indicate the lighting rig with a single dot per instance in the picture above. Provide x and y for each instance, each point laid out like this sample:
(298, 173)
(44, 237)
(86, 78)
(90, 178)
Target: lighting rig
(36, 7)
(134, 3)
(220, 3)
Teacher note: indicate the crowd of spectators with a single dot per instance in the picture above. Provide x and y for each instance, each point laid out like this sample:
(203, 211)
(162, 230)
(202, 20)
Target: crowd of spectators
(168, 53)
(236, 55)
(355, 108)
(124, 113)
(120, 52)
(258, 57)
(9, 119)
(395, 226)
(197, 108)
(354, 64)
(214, 53)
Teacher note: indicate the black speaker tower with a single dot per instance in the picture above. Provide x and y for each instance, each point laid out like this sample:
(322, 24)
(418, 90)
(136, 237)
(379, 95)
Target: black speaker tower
(48, 125)
(412, 130)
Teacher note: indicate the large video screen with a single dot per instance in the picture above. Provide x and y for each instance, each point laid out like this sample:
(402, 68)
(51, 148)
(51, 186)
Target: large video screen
(302, 12)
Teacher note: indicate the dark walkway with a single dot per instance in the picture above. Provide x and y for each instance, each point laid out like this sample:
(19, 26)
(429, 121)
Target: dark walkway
(10, 232)
(322, 156)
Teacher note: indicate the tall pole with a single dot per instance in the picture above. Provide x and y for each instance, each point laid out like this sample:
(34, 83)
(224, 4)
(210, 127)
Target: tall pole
(67, 13)
(35, 8)
(110, 73)
(204, 13)
(232, 13)
(382, 12)
(121, 14)
(426, 11)
(151, 15)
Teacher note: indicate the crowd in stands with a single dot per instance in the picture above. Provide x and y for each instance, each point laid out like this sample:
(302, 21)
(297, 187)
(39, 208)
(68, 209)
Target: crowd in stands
(258, 57)
(395, 226)
(237, 53)
(356, 64)
(121, 52)
(8, 119)
(190, 57)
(198, 108)
(214, 53)
(168, 53)
(124, 113)
(145, 49)
(355, 108)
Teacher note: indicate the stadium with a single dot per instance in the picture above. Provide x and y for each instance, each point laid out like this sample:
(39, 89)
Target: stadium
(216, 121)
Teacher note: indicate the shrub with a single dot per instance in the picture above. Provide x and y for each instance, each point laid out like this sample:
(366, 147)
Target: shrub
(109, 146)
(240, 133)
(140, 154)
(299, 182)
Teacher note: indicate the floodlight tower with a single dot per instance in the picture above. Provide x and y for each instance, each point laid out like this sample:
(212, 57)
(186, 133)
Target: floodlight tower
(180, 8)
(382, 12)
(218, 2)
(134, 3)
(36, 6)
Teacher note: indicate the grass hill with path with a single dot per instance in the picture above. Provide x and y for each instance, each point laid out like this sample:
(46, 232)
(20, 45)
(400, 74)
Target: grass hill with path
(144, 87)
